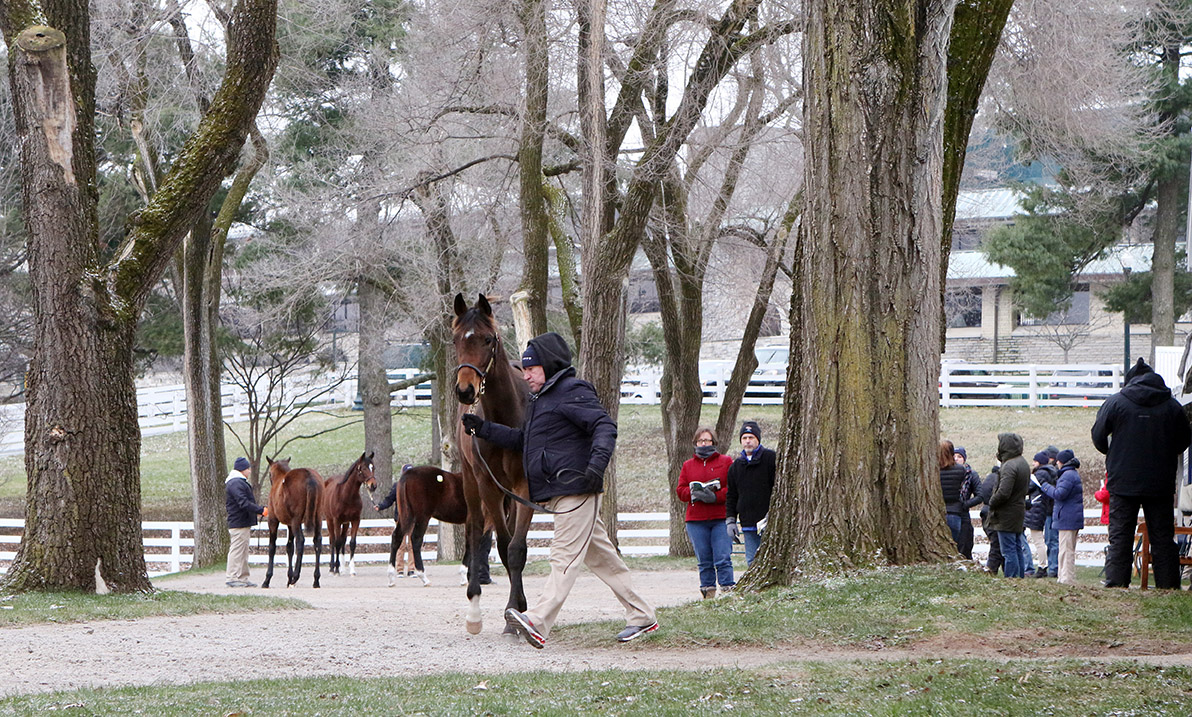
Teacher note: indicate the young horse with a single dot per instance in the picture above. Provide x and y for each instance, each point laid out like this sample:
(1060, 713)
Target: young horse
(486, 383)
(295, 498)
(341, 510)
(425, 492)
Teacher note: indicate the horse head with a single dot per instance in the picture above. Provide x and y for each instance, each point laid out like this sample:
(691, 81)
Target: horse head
(277, 469)
(477, 347)
(362, 471)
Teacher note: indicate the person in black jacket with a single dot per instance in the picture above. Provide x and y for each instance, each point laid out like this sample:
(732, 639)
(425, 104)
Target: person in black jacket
(994, 561)
(243, 513)
(1142, 430)
(969, 497)
(1038, 512)
(566, 440)
(951, 478)
(750, 483)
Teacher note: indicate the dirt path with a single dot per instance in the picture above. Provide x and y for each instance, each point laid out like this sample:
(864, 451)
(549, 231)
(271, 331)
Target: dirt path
(361, 628)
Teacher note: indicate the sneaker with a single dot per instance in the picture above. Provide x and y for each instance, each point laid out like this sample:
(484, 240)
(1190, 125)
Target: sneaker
(632, 632)
(1041, 572)
(519, 622)
(239, 584)
(247, 584)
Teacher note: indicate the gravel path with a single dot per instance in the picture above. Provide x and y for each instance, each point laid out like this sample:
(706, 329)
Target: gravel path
(361, 628)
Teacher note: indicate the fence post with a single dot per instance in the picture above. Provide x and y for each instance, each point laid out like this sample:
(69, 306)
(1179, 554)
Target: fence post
(1034, 400)
(945, 386)
(176, 549)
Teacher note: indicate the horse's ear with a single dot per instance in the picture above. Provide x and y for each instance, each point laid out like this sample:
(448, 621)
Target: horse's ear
(483, 305)
(269, 460)
(370, 456)
(461, 306)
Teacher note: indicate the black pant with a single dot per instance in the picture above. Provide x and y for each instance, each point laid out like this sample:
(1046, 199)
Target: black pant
(966, 537)
(995, 561)
(1160, 525)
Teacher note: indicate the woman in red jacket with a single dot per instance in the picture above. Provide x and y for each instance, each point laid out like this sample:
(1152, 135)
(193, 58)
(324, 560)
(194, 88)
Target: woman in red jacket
(703, 484)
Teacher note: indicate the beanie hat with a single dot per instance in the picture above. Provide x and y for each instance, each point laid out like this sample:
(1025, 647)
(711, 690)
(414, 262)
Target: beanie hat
(241, 464)
(1041, 457)
(752, 428)
(530, 357)
(961, 451)
(1051, 451)
(1065, 456)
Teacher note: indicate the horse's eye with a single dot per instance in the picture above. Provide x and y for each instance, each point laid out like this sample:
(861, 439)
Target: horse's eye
(488, 340)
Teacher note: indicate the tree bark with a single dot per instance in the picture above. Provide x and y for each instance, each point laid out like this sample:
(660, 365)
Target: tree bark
(1171, 200)
(857, 484)
(535, 239)
(82, 440)
(372, 380)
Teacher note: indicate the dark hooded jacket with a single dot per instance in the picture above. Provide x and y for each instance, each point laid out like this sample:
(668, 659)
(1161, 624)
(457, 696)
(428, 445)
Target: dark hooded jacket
(1142, 430)
(567, 438)
(1006, 505)
(1038, 505)
(1068, 496)
(951, 478)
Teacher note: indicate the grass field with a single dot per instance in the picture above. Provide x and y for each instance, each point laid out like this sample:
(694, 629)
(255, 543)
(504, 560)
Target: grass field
(641, 456)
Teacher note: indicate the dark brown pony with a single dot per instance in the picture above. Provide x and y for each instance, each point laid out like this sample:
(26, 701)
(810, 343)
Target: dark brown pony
(341, 510)
(486, 383)
(425, 492)
(296, 499)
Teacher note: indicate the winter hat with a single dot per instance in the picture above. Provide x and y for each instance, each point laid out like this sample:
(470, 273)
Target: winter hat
(530, 357)
(1051, 451)
(961, 451)
(241, 464)
(1139, 369)
(1041, 457)
(753, 428)
(1065, 456)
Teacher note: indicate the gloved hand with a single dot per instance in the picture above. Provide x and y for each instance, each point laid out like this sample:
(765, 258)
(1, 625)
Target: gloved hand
(265, 513)
(734, 530)
(702, 495)
(594, 477)
(376, 507)
(472, 422)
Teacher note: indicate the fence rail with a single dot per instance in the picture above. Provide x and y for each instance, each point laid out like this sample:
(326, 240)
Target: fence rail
(169, 546)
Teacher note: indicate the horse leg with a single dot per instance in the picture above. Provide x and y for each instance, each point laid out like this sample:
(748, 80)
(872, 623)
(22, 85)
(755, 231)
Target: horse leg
(473, 620)
(394, 543)
(416, 537)
(318, 549)
(290, 556)
(352, 549)
(333, 558)
(511, 546)
(272, 554)
(299, 549)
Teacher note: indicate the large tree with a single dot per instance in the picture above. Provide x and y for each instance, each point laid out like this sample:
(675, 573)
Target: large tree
(82, 440)
(857, 481)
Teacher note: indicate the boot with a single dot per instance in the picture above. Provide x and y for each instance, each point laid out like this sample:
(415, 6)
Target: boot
(708, 593)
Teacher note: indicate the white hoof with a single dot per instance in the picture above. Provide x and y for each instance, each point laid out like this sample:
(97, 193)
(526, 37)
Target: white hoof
(474, 628)
(352, 568)
(473, 621)
(392, 576)
(463, 575)
(425, 580)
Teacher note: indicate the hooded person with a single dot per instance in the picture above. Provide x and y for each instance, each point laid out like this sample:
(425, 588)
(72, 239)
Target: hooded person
(566, 440)
(1142, 430)
(750, 484)
(1067, 515)
(1007, 506)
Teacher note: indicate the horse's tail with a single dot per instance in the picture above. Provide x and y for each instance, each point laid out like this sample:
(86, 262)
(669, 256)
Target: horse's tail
(403, 503)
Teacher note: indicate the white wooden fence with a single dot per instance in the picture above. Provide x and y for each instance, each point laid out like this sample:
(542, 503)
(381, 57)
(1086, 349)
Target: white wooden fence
(169, 546)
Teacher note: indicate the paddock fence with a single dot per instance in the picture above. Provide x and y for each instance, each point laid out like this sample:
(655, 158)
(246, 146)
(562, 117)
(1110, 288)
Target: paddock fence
(169, 545)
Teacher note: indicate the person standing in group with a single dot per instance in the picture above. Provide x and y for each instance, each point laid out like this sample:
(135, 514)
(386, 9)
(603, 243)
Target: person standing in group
(1142, 430)
(1038, 512)
(703, 486)
(1067, 514)
(566, 440)
(750, 483)
(1007, 506)
(243, 513)
(969, 497)
(994, 560)
(952, 475)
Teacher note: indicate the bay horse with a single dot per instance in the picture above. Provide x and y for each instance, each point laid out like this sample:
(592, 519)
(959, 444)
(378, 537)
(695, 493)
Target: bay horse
(342, 507)
(486, 382)
(296, 499)
(425, 492)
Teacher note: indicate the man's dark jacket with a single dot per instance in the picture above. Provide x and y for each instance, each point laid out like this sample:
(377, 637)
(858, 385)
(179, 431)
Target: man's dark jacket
(750, 483)
(242, 505)
(1007, 507)
(567, 438)
(1149, 430)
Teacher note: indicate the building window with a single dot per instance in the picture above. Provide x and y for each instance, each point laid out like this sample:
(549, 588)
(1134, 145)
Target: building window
(1077, 313)
(963, 307)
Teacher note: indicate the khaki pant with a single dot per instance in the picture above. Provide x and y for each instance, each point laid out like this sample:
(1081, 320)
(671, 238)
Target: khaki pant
(1067, 573)
(581, 539)
(1040, 546)
(238, 553)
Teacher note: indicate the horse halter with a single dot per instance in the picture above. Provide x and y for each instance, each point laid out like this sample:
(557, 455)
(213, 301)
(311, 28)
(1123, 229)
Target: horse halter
(483, 374)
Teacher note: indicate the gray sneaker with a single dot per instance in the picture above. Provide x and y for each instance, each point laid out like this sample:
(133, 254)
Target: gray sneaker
(519, 622)
(632, 632)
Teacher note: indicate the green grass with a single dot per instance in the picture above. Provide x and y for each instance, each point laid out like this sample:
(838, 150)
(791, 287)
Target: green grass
(641, 457)
(38, 607)
(903, 606)
(926, 687)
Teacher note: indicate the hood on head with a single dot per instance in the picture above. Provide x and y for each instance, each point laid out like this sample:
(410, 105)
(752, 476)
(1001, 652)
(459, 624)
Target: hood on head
(1009, 445)
(1146, 388)
(552, 352)
(1138, 369)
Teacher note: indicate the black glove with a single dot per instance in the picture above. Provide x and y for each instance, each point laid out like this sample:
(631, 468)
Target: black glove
(472, 422)
(594, 477)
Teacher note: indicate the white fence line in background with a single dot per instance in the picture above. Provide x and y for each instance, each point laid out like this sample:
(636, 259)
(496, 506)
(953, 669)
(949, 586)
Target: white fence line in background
(163, 409)
(170, 545)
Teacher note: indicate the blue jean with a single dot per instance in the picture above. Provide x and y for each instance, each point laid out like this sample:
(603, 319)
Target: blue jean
(954, 522)
(1012, 545)
(1028, 561)
(753, 541)
(713, 552)
(1051, 536)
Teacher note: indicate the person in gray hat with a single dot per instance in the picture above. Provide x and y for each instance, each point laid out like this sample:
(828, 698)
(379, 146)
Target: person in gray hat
(243, 513)
(750, 483)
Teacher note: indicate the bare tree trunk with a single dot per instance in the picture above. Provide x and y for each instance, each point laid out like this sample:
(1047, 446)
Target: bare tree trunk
(857, 482)
(82, 440)
(373, 383)
(535, 238)
(1170, 197)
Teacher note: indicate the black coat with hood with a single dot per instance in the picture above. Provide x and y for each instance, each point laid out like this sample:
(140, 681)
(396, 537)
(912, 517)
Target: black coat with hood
(1142, 430)
(1007, 506)
(1038, 505)
(567, 438)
